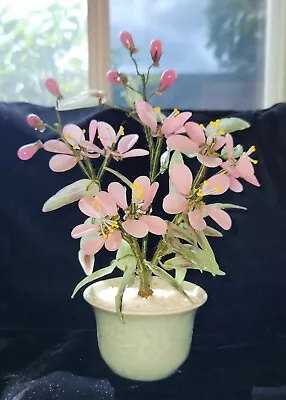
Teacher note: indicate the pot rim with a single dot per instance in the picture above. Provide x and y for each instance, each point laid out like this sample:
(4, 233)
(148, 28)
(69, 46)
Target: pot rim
(193, 289)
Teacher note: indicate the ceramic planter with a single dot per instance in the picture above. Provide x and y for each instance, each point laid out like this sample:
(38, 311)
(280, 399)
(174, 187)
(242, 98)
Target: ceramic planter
(155, 337)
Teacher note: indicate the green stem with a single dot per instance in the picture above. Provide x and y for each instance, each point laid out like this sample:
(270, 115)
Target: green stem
(156, 159)
(82, 167)
(199, 177)
(102, 167)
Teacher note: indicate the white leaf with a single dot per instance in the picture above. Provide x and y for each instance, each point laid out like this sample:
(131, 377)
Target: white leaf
(85, 99)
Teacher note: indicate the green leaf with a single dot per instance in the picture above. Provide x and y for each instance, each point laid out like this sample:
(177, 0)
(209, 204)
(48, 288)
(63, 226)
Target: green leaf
(124, 256)
(228, 125)
(119, 176)
(185, 232)
(209, 231)
(176, 158)
(176, 262)
(132, 96)
(86, 262)
(180, 274)
(223, 206)
(85, 99)
(161, 273)
(125, 281)
(164, 161)
(94, 276)
(71, 193)
(204, 258)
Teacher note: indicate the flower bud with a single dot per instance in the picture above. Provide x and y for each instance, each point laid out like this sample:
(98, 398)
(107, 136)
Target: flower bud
(35, 122)
(29, 150)
(127, 41)
(53, 87)
(167, 79)
(156, 50)
(113, 77)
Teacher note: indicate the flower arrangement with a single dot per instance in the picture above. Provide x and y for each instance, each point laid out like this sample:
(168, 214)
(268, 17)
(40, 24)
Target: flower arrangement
(120, 217)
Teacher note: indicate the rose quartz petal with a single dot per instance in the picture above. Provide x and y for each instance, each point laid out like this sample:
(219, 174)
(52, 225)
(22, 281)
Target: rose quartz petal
(92, 130)
(174, 203)
(229, 168)
(90, 206)
(167, 79)
(108, 204)
(219, 216)
(150, 196)
(28, 151)
(127, 142)
(217, 184)
(252, 179)
(118, 193)
(209, 161)
(73, 134)
(244, 167)
(156, 225)
(182, 178)
(220, 142)
(113, 241)
(235, 185)
(195, 132)
(89, 155)
(135, 228)
(113, 77)
(62, 162)
(196, 220)
(182, 144)
(92, 246)
(106, 134)
(141, 195)
(83, 230)
(90, 147)
(173, 124)
(229, 144)
(56, 146)
(147, 115)
(135, 153)
(53, 87)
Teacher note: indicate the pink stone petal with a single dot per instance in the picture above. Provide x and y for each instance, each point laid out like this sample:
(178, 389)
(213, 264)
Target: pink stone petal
(92, 130)
(90, 147)
(220, 142)
(135, 153)
(62, 162)
(142, 182)
(126, 143)
(252, 179)
(113, 77)
(219, 216)
(108, 204)
(135, 228)
(235, 185)
(173, 124)
(106, 134)
(92, 246)
(182, 178)
(118, 193)
(167, 79)
(147, 115)
(89, 155)
(244, 167)
(83, 230)
(182, 144)
(90, 206)
(56, 146)
(195, 132)
(28, 151)
(148, 199)
(113, 241)
(216, 185)
(229, 145)
(226, 165)
(209, 161)
(53, 87)
(73, 134)
(156, 225)
(174, 203)
(196, 220)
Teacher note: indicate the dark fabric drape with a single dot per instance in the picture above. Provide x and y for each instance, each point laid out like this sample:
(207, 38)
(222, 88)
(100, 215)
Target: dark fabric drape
(240, 334)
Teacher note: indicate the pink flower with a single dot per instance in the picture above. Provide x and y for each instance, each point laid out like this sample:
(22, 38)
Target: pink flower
(53, 87)
(156, 50)
(173, 123)
(105, 229)
(191, 203)
(197, 143)
(167, 79)
(125, 145)
(137, 223)
(35, 122)
(127, 41)
(29, 150)
(113, 77)
(239, 168)
(70, 153)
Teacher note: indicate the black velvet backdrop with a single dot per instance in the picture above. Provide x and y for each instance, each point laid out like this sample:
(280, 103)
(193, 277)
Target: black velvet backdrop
(48, 342)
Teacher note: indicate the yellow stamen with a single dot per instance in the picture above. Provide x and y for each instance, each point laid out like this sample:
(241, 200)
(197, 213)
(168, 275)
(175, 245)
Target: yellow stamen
(111, 230)
(121, 130)
(95, 203)
(157, 109)
(74, 147)
(252, 148)
(114, 215)
(254, 162)
(221, 132)
(176, 111)
(206, 182)
(105, 236)
(202, 126)
(83, 131)
(69, 136)
(200, 194)
(139, 189)
(218, 121)
(218, 189)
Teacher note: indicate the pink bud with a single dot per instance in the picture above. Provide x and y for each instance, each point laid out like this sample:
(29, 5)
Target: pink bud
(29, 150)
(167, 79)
(113, 77)
(35, 122)
(156, 50)
(127, 41)
(53, 87)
